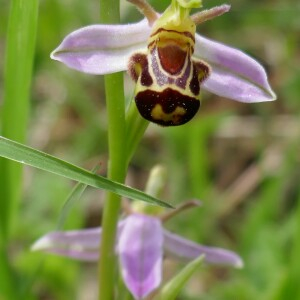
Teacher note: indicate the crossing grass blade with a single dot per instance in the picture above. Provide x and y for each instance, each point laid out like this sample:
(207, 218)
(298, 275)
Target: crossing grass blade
(32, 157)
(73, 197)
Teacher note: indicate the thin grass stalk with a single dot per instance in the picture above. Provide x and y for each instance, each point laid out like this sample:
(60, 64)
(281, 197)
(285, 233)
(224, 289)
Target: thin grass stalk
(19, 55)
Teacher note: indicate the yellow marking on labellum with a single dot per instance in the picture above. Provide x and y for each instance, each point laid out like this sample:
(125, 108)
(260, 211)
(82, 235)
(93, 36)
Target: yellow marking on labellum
(175, 117)
(167, 77)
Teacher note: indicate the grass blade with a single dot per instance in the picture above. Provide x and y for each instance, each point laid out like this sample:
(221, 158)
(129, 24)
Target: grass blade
(19, 56)
(171, 289)
(75, 195)
(32, 157)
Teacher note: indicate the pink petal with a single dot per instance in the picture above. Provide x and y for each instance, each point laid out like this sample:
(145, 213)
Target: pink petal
(181, 248)
(102, 49)
(235, 75)
(140, 249)
(78, 244)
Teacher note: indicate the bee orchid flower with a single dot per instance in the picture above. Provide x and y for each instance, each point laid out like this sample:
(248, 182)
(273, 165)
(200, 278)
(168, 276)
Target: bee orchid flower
(168, 61)
(141, 245)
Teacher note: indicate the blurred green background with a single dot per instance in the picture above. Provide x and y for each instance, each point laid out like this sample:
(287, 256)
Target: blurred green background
(241, 160)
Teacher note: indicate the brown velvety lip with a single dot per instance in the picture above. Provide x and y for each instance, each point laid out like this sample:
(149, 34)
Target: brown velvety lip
(170, 102)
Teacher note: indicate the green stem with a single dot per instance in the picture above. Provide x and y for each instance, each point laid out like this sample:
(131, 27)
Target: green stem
(109, 13)
(123, 138)
(116, 171)
(119, 161)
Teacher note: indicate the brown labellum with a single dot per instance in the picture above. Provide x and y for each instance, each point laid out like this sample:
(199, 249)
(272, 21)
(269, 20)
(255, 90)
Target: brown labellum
(166, 108)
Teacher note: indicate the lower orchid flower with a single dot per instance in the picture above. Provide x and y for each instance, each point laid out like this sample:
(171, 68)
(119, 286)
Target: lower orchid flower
(141, 245)
(168, 61)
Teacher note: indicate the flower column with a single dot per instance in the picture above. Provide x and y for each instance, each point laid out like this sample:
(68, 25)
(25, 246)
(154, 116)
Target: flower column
(110, 13)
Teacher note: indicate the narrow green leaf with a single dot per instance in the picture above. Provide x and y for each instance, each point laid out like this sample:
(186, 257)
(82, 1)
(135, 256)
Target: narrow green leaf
(19, 55)
(73, 197)
(171, 289)
(8, 278)
(32, 157)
